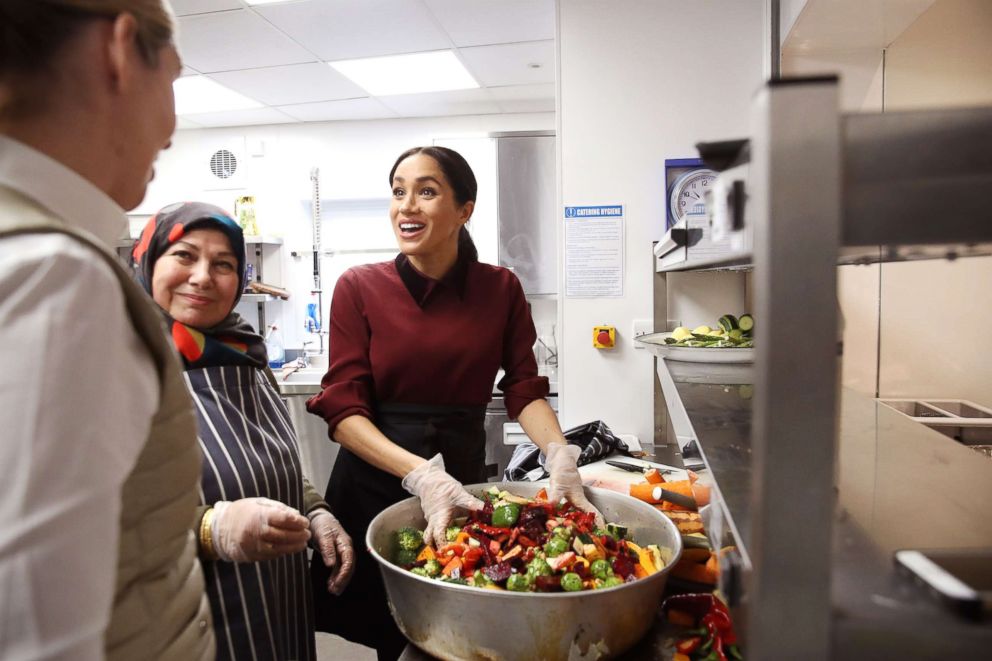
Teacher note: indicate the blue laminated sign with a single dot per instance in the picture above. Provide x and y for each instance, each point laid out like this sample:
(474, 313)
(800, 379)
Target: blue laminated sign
(603, 211)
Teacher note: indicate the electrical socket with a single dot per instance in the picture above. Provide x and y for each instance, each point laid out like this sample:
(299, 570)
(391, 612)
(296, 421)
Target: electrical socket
(641, 327)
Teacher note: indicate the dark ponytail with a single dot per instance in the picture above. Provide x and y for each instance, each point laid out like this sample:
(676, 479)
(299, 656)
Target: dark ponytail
(466, 246)
(462, 180)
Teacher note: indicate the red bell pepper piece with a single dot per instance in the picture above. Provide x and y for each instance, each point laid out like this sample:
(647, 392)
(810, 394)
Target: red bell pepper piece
(471, 559)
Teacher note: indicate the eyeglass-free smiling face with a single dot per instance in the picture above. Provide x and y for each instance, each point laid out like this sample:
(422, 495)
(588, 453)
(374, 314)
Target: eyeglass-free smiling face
(425, 215)
(196, 279)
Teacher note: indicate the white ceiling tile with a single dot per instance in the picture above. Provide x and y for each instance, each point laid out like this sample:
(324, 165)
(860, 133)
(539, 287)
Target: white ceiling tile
(525, 98)
(347, 29)
(511, 64)
(232, 40)
(241, 117)
(460, 102)
(338, 110)
(296, 83)
(187, 7)
(482, 22)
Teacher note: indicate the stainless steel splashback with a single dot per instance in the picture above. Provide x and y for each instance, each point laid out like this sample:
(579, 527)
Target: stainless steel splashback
(526, 208)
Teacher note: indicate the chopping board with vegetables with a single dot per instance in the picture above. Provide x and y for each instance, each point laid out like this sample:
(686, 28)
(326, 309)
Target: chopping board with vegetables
(729, 341)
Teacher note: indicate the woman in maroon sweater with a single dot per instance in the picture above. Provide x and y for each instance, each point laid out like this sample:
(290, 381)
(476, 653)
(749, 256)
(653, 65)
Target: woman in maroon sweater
(415, 346)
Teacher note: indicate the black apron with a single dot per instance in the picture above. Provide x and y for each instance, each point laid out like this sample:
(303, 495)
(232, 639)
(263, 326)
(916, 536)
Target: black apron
(358, 491)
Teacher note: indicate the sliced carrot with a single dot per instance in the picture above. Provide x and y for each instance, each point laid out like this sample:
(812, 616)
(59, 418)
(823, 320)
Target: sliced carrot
(680, 618)
(692, 571)
(427, 553)
(453, 564)
(542, 494)
(644, 491)
(679, 656)
(462, 538)
(701, 493)
(683, 487)
(654, 476)
(713, 566)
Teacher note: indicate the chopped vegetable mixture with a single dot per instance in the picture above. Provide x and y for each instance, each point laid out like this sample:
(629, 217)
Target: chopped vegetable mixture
(530, 545)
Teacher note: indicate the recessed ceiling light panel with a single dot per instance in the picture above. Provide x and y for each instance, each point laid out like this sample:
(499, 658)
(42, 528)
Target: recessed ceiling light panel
(415, 73)
(196, 94)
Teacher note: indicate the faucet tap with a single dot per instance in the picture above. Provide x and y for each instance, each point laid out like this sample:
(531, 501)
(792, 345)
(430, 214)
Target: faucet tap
(305, 356)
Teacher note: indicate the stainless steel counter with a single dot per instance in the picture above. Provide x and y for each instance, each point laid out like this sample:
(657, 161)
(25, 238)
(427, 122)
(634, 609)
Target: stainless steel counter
(899, 485)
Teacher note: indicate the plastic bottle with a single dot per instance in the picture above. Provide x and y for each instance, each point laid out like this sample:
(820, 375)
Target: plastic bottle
(274, 347)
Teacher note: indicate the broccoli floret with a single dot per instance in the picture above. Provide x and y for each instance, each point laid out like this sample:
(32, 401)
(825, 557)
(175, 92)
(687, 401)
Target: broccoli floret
(451, 534)
(480, 580)
(420, 571)
(432, 567)
(458, 581)
(409, 538)
(406, 557)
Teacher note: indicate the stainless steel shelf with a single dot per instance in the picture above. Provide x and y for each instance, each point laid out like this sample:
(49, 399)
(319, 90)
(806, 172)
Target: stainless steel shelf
(899, 485)
(257, 298)
(263, 240)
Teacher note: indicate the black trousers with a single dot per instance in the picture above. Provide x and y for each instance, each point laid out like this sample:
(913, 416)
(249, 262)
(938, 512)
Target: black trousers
(358, 491)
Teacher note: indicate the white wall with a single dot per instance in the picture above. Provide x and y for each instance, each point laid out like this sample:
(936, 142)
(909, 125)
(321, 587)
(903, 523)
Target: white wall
(354, 159)
(639, 81)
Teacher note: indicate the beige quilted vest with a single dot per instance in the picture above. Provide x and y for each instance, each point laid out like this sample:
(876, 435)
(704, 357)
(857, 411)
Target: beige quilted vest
(160, 609)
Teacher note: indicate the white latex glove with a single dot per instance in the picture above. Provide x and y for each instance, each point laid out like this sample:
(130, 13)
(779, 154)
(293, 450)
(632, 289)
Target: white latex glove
(253, 529)
(440, 497)
(334, 546)
(565, 481)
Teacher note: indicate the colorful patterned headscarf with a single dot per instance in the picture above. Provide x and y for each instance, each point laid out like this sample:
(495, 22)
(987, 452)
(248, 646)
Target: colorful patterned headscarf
(231, 342)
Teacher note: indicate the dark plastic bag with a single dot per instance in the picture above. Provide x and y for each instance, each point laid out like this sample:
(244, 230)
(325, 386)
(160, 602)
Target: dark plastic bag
(595, 438)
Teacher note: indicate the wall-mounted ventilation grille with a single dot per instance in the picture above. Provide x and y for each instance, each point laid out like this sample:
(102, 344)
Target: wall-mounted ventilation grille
(223, 164)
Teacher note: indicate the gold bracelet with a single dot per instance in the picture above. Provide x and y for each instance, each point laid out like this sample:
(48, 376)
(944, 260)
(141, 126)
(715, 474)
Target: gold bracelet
(206, 539)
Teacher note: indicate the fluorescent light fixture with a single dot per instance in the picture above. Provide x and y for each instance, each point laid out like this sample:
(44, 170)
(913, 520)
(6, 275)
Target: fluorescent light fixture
(415, 73)
(196, 94)
(267, 2)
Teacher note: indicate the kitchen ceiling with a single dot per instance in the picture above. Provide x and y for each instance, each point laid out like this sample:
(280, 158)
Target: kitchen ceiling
(277, 55)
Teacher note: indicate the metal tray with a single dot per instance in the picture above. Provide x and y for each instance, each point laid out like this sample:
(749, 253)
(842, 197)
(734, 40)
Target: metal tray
(655, 343)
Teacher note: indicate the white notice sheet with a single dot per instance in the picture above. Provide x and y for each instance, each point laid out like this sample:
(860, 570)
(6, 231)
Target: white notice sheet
(594, 251)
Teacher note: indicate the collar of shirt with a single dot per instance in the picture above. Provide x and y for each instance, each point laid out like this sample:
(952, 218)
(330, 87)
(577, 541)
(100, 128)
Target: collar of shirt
(60, 190)
(421, 287)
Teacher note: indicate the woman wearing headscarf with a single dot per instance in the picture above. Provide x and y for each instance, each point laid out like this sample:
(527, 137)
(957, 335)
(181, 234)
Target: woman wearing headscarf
(191, 260)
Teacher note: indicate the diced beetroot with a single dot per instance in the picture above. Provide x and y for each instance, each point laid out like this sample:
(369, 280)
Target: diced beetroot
(582, 569)
(532, 514)
(548, 583)
(609, 543)
(623, 566)
(499, 572)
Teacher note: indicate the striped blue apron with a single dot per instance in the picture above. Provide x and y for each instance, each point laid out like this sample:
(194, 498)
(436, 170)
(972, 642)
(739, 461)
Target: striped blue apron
(262, 610)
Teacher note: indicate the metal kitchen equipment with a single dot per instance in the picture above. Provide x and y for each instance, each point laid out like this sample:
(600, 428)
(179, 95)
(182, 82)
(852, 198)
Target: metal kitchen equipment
(821, 189)
(526, 208)
(457, 622)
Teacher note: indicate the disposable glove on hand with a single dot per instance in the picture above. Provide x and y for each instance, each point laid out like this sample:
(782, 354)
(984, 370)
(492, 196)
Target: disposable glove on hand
(565, 481)
(253, 529)
(440, 497)
(334, 545)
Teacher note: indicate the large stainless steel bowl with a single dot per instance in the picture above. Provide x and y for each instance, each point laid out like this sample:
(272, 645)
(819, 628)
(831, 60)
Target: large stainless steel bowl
(459, 622)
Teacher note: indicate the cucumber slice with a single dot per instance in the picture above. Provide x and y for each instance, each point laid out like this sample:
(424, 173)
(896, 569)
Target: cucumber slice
(728, 322)
(746, 322)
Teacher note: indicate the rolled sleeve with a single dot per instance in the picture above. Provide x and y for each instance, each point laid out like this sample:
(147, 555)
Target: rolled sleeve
(520, 384)
(346, 388)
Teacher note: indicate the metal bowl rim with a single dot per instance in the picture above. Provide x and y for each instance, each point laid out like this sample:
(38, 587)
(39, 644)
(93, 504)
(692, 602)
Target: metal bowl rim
(386, 564)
